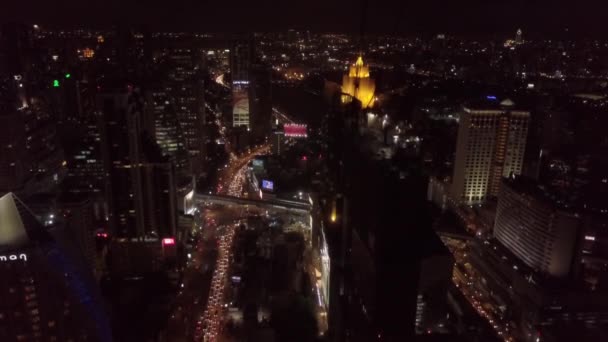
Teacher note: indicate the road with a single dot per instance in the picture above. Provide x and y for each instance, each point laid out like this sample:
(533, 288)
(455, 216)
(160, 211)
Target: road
(231, 182)
(468, 281)
(233, 177)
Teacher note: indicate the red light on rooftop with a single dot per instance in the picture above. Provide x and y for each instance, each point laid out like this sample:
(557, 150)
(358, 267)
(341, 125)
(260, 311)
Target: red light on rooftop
(168, 241)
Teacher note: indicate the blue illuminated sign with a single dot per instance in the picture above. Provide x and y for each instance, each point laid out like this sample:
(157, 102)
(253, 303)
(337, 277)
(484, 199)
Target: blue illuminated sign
(267, 185)
(491, 97)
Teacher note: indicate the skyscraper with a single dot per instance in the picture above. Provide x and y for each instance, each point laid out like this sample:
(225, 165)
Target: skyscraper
(45, 289)
(241, 58)
(30, 158)
(261, 101)
(186, 87)
(168, 130)
(140, 189)
(491, 144)
(535, 228)
(358, 84)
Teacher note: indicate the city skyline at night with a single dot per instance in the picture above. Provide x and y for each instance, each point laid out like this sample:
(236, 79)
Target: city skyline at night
(303, 172)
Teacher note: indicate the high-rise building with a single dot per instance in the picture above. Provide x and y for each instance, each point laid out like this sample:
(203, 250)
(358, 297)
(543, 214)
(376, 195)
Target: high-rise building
(30, 157)
(241, 58)
(140, 187)
(535, 228)
(491, 144)
(186, 88)
(358, 84)
(47, 293)
(371, 228)
(261, 102)
(168, 130)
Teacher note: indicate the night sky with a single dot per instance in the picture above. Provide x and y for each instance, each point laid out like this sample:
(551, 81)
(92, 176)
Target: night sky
(582, 17)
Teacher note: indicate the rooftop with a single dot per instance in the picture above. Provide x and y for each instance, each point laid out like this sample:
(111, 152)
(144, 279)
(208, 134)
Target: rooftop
(18, 225)
(492, 102)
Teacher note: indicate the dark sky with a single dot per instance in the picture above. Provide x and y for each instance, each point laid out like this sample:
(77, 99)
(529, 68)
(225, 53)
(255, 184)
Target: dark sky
(583, 17)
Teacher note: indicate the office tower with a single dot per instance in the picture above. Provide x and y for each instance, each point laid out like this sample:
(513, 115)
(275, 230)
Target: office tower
(261, 102)
(85, 169)
(167, 130)
(375, 220)
(358, 84)
(535, 228)
(241, 58)
(46, 291)
(30, 158)
(186, 88)
(138, 174)
(119, 113)
(491, 144)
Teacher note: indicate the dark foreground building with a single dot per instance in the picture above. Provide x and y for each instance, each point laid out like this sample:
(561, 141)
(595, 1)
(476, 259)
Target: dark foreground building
(47, 292)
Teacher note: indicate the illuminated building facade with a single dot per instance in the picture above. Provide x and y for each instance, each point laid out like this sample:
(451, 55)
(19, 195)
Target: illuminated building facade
(358, 84)
(241, 56)
(534, 228)
(47, 292)
(491, 144)
(168, 131)
(186, 87)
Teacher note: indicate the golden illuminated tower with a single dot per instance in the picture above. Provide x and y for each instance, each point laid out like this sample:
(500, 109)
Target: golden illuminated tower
(358, 84)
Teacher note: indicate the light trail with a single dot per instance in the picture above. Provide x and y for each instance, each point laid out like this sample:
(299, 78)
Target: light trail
(234, 181)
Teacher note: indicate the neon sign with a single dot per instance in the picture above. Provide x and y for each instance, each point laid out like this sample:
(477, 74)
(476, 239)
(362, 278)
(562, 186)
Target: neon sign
(13, 257)
(168, 241)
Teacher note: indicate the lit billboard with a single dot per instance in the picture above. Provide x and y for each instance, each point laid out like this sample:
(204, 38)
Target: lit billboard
(267, 185)
(240, 106)
(295, 130)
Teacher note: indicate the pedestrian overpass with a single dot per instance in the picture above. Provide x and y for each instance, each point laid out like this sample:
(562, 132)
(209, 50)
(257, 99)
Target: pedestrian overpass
(194, 199)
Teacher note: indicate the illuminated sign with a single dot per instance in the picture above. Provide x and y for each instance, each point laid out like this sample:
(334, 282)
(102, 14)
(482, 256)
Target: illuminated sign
(168, 241)
(491, 97)
(295, 130)
(268, 185)
(55, 83)
(13, 257)
(258, 163)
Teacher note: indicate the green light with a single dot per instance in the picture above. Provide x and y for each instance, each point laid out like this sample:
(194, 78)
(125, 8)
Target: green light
(55, 83)
(68, 75)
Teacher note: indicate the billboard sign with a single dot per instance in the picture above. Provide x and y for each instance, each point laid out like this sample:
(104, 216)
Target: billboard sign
(267, 185)
(258, 164)
(295, 130)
